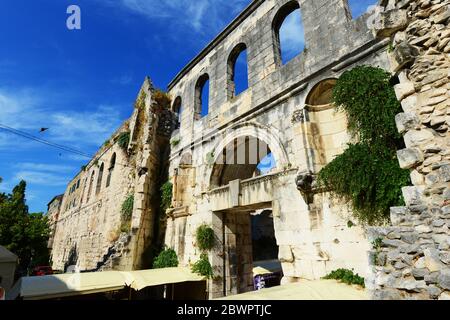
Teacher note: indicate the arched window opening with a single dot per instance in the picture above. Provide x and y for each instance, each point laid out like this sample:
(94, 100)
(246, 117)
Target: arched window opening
(99, 179)
(288, 31)
(112, 165)
(237, 71)
(360, 7)
(322, 93)
(243, 158)
(91, 183)
(177, 109)
(202, 97)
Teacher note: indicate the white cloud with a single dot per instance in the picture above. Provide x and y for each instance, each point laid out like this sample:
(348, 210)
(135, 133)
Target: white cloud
(42, 178)
(199, 14)
(123, 80)
(43, 167)
(25, 110)
(292, 34)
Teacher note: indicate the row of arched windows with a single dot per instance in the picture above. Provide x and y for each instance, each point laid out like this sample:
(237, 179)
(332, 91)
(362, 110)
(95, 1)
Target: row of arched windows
(289, 42)
(112, 165)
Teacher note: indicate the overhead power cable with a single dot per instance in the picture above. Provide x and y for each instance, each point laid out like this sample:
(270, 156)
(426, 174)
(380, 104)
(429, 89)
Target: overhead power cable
(42, 141)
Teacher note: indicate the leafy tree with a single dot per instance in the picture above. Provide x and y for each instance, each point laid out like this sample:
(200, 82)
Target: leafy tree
(22, 233)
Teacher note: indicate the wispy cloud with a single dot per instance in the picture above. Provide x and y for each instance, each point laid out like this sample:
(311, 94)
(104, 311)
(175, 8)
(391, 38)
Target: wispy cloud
(359, 7)
(41, 174)
(26, 110)
(44, 167)
(292, 35)
(123, 80)
(200, 14)
(39, 178)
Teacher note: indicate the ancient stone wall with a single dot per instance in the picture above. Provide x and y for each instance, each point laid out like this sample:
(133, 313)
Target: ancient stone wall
(410, 259)
(91, 231)
(287, 107)
(54, 208)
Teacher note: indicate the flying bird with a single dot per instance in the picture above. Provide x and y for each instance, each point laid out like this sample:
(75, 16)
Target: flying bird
(43, 130)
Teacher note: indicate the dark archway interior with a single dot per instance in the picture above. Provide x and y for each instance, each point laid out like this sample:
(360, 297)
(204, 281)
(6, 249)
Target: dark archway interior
(239, 160)
(264, 243)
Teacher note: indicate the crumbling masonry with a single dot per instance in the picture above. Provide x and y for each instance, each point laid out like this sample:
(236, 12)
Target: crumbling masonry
(411, 259)
(287, 113)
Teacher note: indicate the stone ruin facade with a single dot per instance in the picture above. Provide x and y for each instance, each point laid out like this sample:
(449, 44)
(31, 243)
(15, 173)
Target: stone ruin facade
(410, 259)
(91, 232)
(286, 113)
(53, 210)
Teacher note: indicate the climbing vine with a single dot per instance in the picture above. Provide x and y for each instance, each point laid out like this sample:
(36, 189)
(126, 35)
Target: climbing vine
(166, 259)
(127, 207)
(205, 237)
(205, 242)
(367, 174)
(127, 213)
(162, 99)
(203, 266)
(346, 276)
(123, 140)
(166, 195)
(140, 102)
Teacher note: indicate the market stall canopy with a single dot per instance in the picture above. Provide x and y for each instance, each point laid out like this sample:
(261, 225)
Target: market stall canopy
(266, 267)
(6, 255)
(306, 290)
(155, 277)
(76, 284)
(67, 285)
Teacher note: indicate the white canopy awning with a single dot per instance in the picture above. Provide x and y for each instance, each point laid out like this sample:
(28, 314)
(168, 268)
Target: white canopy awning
(66, 285)
(76, 284)
(156, 277)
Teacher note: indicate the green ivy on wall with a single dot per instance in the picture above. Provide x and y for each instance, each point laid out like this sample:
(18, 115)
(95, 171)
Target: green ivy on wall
(203, 266)
(367, 174)
(166, 195)
(205, 237)
(166, 259)
(123, 140)
(346, 276)
(127, 207)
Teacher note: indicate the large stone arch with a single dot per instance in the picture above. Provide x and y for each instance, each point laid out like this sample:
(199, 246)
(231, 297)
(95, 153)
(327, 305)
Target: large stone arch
(269, 136)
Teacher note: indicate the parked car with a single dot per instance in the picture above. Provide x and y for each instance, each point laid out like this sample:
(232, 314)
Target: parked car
(42, 271)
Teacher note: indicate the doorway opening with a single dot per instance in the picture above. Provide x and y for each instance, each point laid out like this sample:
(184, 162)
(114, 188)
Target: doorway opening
(252, 250)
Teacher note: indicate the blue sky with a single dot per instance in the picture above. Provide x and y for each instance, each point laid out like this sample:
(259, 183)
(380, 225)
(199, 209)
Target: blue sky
(82, 84)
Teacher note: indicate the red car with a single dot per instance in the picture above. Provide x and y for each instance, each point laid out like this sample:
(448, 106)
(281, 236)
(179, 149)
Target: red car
(42, 271)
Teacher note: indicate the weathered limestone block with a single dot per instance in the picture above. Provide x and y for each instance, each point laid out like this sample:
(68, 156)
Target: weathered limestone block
(413, 195)
(416, 138)
(403, 90)
(406, 122)
(409, 104)
(286, 255)
(444, 279)
(432, 261)
(390, 22)
(441, 15)
(445, 296)
(409, 158)
(404, 55)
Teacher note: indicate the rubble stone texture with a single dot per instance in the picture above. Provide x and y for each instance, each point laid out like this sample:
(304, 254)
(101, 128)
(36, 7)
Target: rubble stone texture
(417, 246)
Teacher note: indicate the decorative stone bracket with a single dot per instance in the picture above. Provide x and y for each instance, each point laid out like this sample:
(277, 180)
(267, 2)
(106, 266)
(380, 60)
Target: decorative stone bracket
(307, 185)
